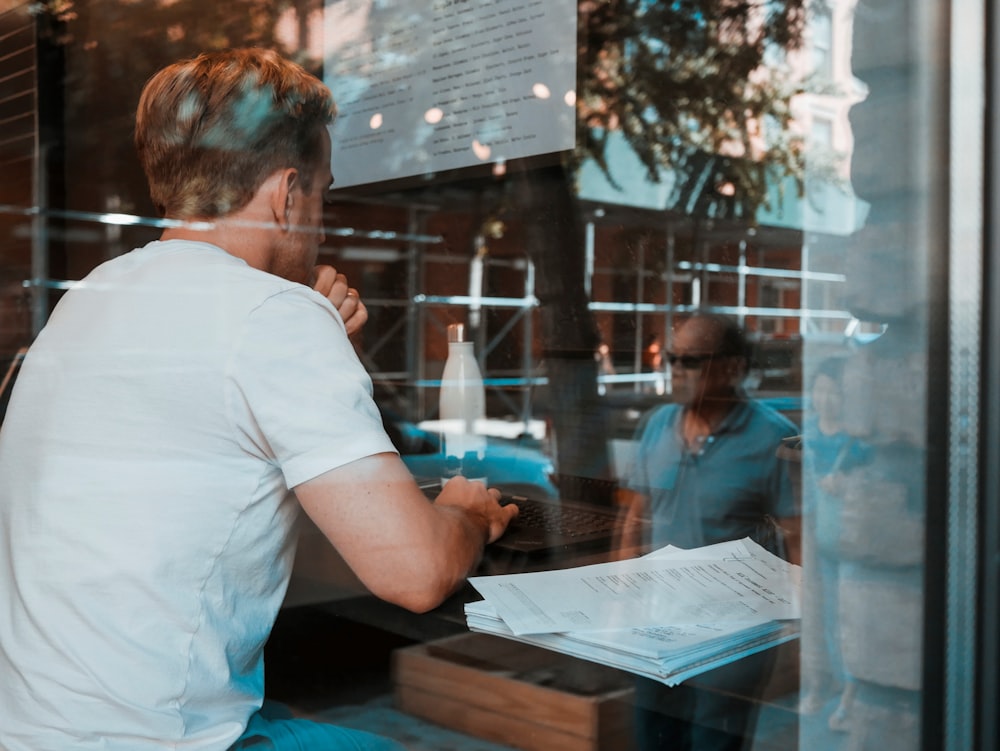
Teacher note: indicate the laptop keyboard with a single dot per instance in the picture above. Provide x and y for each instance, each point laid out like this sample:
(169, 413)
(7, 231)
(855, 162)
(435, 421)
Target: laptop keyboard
(560, 520)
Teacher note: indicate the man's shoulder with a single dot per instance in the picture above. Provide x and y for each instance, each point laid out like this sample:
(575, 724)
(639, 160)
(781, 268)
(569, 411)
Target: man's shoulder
(167, 261)
(661, 414)
(206, 280)
(655, 422)
(207, 266)
(765, 417)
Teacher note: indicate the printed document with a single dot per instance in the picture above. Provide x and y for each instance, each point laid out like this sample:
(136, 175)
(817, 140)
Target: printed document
(669, 654)
(733, 581)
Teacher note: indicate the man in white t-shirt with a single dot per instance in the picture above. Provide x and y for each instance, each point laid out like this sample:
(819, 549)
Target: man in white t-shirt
(160, 420)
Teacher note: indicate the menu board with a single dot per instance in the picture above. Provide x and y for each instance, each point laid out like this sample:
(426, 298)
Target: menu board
(424, 86)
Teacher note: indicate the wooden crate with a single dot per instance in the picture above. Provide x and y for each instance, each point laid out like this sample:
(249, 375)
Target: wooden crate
(517, 694)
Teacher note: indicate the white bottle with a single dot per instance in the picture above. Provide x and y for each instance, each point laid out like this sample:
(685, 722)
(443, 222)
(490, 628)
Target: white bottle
(462, 408)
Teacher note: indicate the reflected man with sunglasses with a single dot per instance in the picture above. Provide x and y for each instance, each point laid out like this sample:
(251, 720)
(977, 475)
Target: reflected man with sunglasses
(706, 471)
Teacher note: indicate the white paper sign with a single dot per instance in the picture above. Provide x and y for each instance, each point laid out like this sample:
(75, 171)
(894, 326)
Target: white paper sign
(436, 85)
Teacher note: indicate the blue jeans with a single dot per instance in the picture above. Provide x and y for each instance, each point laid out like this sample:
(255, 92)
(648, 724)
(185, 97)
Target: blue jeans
(273, 730)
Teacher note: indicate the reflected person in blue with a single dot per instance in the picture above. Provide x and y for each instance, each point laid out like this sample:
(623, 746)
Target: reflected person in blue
(707, 471)
(829, 452)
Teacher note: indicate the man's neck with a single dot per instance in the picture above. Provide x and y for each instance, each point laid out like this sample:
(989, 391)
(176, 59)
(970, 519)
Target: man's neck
(706, 415)
(235, 234)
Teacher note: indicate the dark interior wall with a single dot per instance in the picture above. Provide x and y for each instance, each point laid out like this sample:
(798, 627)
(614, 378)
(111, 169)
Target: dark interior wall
(18, 132)
(18, 126)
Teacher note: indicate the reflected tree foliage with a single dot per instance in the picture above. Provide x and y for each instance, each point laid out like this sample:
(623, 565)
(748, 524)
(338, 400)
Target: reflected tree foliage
(699, 88)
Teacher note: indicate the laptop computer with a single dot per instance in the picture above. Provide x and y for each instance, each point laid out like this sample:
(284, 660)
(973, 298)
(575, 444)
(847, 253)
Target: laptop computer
(546, 526)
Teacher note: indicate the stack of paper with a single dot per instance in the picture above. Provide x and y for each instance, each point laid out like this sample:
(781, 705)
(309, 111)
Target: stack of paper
(669, 615)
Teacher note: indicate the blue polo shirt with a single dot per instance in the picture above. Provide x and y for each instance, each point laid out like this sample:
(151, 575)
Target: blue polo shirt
(723, 491)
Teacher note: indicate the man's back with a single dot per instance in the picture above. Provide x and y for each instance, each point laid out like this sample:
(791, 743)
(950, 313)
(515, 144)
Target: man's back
(144, 467)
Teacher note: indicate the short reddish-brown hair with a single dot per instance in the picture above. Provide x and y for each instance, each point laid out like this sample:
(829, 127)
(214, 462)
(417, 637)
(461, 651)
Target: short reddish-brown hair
(211, 129)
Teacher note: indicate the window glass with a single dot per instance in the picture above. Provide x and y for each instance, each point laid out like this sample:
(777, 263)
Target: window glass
(695, 247)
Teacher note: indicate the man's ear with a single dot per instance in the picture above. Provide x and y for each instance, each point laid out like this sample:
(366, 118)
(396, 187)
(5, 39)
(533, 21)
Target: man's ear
(283, 196)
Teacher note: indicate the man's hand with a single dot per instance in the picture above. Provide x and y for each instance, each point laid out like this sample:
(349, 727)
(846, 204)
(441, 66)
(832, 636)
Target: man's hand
(479, 502)
(345, 299)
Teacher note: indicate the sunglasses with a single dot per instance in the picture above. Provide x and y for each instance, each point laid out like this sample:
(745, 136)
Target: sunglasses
(690, 362)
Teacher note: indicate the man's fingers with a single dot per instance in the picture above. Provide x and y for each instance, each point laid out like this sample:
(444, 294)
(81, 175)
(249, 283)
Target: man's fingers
(324, 278)
(354, 313)
(340, 292)
(346, 299)
(331, 284)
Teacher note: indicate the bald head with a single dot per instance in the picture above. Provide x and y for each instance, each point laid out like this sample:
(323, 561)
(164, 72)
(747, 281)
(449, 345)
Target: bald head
(708, 357)
(720, 334)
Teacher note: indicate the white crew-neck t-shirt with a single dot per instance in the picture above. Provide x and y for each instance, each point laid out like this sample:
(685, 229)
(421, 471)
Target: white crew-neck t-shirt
(146, 528)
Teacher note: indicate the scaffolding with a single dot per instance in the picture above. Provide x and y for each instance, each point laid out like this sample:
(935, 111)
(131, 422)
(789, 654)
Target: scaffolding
(512, 389)
(421, 311)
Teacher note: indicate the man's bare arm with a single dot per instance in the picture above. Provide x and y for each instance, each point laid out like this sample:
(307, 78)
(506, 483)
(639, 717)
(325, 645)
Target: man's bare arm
(791, 528)
(404, 549)
(629, 540)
